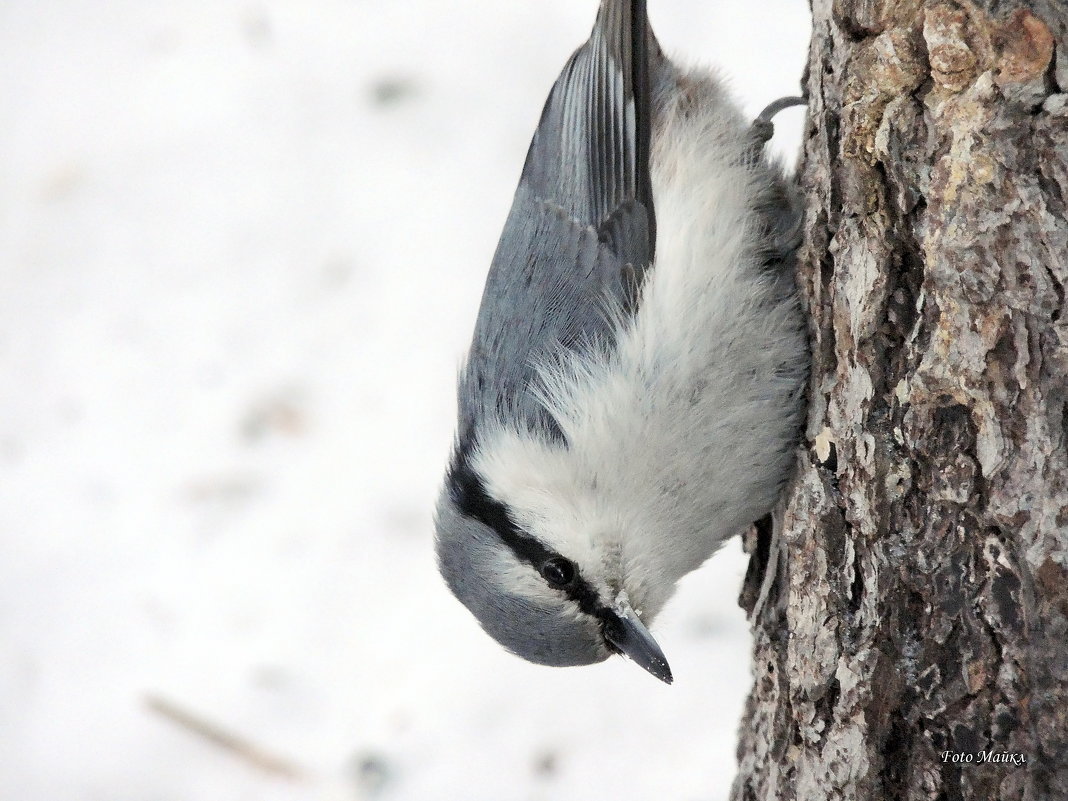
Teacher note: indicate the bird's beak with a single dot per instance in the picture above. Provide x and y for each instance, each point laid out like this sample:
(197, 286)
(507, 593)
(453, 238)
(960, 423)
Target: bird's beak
(630, 637)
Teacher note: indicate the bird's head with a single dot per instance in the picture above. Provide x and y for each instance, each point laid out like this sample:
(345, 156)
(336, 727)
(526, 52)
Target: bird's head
(534, 568)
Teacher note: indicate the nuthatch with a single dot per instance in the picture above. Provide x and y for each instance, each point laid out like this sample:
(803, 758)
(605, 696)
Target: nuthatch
(635, 387)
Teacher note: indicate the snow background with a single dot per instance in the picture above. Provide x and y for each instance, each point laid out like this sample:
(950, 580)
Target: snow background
(241, 250)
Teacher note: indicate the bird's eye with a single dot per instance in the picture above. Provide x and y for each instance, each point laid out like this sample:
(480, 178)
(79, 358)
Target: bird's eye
(558, 572)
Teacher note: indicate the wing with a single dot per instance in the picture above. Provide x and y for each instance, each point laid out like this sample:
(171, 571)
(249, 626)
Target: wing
(581, 231)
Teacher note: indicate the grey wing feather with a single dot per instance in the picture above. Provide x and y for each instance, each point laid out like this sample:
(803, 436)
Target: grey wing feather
(581, 231)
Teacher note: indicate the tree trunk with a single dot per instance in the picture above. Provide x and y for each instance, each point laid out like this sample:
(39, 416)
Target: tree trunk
(910, 615)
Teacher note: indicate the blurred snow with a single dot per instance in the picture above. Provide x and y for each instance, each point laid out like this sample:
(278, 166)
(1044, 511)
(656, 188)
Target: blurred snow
(241, 249)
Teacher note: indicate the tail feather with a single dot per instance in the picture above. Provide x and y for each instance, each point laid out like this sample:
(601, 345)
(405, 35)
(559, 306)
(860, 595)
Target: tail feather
(590, 154)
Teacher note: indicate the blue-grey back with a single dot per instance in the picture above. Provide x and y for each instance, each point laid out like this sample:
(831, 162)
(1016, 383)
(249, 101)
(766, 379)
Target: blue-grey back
(548, 289)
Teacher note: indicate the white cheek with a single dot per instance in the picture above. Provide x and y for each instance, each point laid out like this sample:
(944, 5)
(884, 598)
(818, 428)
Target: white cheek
(552, 498)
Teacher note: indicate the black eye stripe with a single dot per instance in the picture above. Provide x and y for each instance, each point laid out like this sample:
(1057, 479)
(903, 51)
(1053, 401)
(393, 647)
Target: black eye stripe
(473, 500)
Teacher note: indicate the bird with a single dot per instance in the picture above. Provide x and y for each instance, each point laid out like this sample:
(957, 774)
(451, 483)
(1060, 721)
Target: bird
(635, 386)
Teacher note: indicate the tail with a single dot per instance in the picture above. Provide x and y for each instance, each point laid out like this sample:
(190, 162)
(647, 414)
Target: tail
(623, 29)
(590, 154)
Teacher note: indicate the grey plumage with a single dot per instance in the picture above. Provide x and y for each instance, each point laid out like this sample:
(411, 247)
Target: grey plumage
(582, 215)
(634, 386)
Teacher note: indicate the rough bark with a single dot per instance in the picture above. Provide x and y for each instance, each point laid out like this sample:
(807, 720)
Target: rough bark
(911, 613)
